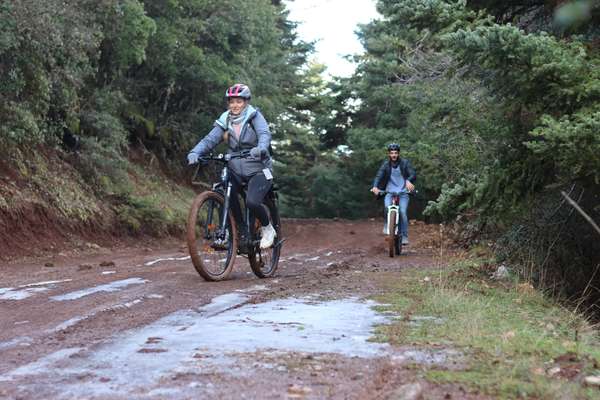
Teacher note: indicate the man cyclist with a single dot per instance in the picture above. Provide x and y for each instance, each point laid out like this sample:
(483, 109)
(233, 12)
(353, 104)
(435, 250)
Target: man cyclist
(395, 175)
(244, 128)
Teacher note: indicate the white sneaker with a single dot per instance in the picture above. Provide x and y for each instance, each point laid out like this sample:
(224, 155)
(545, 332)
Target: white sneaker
(267, 234)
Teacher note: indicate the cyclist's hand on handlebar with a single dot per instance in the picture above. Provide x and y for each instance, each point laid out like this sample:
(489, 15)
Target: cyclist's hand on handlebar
(375, 190)
(192, 158)
(410, 186)
(258, 152)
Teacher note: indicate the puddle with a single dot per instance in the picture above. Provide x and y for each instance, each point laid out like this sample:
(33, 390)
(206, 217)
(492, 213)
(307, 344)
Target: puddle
(108, 287)
(209, 339)
(129, 304)
(18, 341)
(68, 323)
(24, 291)
(75, 320)
(222, 303)
(42, 364)
(150, 263)
(20, 294)
(45, 283)
(255, 288)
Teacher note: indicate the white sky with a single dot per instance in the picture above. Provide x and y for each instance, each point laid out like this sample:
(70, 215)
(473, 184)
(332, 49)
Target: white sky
(332, 23)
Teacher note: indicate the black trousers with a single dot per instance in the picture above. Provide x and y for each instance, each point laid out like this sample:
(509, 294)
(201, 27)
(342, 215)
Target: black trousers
(258, 187)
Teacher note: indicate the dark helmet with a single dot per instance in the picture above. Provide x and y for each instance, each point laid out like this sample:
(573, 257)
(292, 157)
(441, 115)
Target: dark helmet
(393, 146)
(238, 90)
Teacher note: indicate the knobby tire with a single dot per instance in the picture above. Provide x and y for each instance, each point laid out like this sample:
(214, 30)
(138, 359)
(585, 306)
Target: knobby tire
(257, 262)
(198, 253)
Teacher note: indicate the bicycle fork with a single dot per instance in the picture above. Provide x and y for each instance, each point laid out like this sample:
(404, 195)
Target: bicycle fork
(225, 213)
(393, 207)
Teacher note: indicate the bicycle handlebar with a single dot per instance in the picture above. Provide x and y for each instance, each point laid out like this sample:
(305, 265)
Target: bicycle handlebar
(384, 192)
(224, 157)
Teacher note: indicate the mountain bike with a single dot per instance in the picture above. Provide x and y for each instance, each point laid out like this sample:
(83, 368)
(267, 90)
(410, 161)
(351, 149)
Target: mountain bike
(393, 236)
(215, 238)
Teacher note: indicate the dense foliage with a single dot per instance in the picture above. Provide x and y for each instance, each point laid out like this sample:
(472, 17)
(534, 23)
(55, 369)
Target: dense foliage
(138, 79)
(497, 105)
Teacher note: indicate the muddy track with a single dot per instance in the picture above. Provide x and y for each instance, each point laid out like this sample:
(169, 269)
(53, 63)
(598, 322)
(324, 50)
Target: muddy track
(140, 323)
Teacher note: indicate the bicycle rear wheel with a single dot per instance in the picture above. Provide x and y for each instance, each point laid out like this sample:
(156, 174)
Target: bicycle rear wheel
(392, 236)
(213, 252)
(264, 262)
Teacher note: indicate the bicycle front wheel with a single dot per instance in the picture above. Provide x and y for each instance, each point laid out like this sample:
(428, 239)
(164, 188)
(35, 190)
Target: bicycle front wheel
(393, 236)
(212, 250)
(264, 261)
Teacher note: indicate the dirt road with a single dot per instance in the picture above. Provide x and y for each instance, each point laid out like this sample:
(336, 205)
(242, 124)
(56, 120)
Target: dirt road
(140, 323)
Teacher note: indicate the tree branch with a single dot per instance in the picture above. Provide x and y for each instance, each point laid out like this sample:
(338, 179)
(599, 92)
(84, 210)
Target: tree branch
(580, 210)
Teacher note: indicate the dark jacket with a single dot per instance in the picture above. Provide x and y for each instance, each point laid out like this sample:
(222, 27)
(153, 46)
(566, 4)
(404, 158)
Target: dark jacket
(385, 171)
(254, 133)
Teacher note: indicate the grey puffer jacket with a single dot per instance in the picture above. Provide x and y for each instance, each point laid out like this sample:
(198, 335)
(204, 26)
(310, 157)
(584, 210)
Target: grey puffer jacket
(254, 133)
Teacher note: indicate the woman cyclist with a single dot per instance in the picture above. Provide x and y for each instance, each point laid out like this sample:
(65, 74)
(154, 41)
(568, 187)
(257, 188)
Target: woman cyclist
(244, 128)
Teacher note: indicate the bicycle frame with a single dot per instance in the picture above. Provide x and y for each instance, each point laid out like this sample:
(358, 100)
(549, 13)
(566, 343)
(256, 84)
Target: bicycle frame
(224, 187)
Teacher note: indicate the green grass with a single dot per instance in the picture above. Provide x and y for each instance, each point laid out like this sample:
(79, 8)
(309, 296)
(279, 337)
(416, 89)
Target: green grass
(46, 183)
(155, 204)
(510, 334)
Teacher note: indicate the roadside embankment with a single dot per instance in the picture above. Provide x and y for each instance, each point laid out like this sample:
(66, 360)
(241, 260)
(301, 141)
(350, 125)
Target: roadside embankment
(49, 200)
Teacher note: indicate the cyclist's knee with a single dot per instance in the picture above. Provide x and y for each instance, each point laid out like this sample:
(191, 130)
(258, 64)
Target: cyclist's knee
(253, 204)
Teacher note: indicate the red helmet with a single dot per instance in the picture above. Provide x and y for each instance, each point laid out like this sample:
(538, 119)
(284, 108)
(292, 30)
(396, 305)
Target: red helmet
(238, 90)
